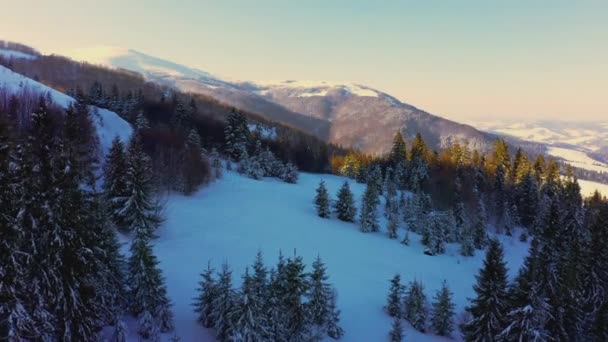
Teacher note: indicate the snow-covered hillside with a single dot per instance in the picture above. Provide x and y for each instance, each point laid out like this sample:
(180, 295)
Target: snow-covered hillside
(15, 54)
(578, 159)
(108, 123)
(585, 136)
(232, 218)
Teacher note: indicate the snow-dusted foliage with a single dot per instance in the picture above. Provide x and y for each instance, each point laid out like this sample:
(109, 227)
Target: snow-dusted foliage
(290, 304)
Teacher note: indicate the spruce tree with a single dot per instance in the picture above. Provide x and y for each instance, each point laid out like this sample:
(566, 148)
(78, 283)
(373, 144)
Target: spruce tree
(322, 201)
(398, 152)
(249, 322)
(345, 205)
(224, 306)
(139, 210)
(418, 167)
(396, 333)
(148, 294)
(480, 236)
(80, 141)
(415, 306)
(115, 180)
(237, 135)
(369, 208)
(16, 322)
(296, 286)
(289, 174)
(467, 243)
(203, 303)
(395, 296)
(321, 310)
(489, 309)
(442, 317)
(528, 309)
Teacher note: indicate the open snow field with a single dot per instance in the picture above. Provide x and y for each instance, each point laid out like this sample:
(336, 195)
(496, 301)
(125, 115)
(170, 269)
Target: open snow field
(589, 187)
(578, 159)
(231, 219)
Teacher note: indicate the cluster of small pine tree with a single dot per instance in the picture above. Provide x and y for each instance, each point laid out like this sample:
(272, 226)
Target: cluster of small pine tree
(281, 304)
(411, 304)
(254, 161)
(344, 206)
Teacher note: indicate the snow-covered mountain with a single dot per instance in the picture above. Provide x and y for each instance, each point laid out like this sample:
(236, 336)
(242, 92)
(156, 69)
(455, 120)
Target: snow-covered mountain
(347, 114)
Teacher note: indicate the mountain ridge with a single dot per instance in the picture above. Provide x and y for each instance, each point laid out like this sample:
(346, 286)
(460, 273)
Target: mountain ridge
(344, 113)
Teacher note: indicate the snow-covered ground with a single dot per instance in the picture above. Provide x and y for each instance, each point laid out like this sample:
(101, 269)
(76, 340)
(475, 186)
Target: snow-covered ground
(108, 123)
(585, 136)
(15, 54)
(578, 159)
(589, 187)
(316, 88)
(231, 219)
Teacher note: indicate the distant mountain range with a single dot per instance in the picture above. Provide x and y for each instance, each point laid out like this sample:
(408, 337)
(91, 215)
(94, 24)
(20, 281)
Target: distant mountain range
(582, 144)
(350, 115)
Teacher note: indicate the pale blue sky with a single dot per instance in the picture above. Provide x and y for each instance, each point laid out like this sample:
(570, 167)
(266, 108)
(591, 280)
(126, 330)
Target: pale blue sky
(458, 59)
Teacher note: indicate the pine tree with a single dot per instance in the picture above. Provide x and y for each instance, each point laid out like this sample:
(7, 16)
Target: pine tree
(369, 208)
(480, 236)
(398, 152)
(458, 208)
(81, 142)
(418, 167)
(194, 163)
(216, 164)
(237, 135)
(139, 211)
(224, 306)
(489, 309)
(148, 293)
(321, 310)
(115, 182)
(443, 312)
(528, 309)
(33, 182)
(345, 205)
(415, 306)
(334, 330)
(203, 303)
(396, 333)
(296, 286)
(275, 308)
(16, 322)
(395, 295)
(500, 201)
(434, 234)
(120, 332)
(467, 243)
(141, 123)
(249, 322)
(322, 201)
(289, 174)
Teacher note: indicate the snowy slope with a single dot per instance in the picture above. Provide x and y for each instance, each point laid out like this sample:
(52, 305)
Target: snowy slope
(108, 123)
(314, 88)
(153, 68)
(585, 136)
(231, 219)
(578, 159)
(589, 187)
(15, 54)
